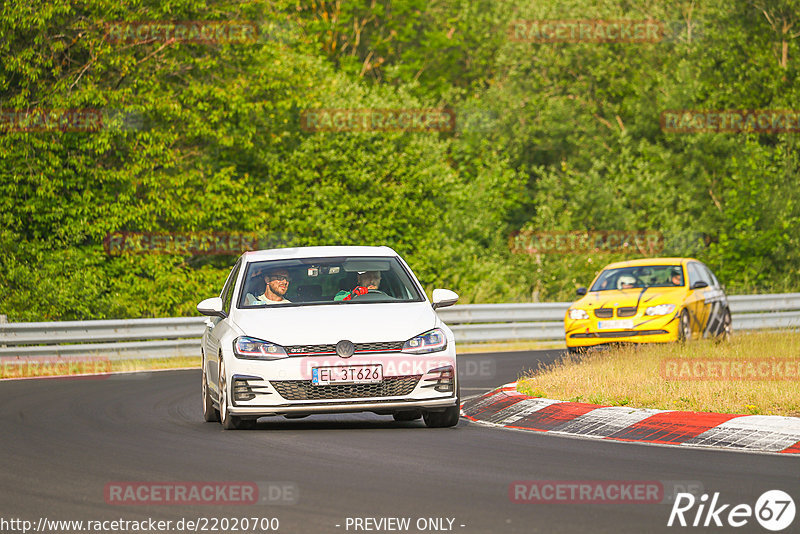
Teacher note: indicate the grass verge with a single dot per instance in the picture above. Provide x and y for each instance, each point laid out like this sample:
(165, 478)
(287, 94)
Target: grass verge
(751, 374)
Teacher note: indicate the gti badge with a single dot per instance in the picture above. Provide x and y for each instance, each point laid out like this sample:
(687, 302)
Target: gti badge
(345, 348)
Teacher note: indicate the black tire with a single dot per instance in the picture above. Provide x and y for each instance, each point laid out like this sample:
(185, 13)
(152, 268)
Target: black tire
(407, 416)
(684, 327)
(228, 420)
(448, 417)
(210, 414)
(727, 329)
(575, 350)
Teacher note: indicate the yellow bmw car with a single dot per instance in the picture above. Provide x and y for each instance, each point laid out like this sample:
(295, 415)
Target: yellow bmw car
(648, 301)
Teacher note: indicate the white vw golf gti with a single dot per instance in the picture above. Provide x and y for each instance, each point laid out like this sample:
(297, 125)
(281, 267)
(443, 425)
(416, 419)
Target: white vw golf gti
(301, 331)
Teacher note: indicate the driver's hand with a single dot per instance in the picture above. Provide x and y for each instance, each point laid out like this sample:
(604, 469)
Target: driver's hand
(359, 290)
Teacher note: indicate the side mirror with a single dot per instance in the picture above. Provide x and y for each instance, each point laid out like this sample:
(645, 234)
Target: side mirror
(699, 284)
(212, 307)
(443, 298)
(581, 291)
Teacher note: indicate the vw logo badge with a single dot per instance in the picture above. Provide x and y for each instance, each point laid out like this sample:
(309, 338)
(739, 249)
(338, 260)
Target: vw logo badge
(345, 348)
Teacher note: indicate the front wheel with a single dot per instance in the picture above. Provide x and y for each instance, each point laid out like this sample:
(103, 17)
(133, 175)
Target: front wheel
(447, 418)
(684, 327)
(210, 414)
(228, 420)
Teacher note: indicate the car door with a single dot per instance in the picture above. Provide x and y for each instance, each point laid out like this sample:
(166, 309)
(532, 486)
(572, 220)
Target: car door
(695, 300)
(216, 327)
(716, 304)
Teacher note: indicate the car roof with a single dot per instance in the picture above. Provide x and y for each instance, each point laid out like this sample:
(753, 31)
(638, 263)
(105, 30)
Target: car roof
(316, 252)
(649, 261)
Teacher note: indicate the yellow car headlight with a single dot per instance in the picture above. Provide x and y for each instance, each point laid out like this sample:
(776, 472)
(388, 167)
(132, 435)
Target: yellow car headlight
(578, 314)
(661, 309)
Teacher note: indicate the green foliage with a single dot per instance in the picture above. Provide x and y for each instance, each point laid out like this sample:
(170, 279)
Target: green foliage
(207, 137)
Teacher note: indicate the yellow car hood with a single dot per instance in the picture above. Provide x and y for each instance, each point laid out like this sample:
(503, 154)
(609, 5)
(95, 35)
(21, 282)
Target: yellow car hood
(615, 298)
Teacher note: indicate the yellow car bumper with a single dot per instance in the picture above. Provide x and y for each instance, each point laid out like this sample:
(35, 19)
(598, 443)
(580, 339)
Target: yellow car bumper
(646, 329)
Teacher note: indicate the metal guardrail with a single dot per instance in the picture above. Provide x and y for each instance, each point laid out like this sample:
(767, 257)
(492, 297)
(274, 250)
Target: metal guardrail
(471, 323)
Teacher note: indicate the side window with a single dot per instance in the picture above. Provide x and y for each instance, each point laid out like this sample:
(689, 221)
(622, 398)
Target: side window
(694, 273)
(709, 277)
(227, 291)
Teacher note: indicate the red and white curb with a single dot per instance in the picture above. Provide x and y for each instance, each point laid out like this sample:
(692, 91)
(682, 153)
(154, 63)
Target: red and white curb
(508, 408)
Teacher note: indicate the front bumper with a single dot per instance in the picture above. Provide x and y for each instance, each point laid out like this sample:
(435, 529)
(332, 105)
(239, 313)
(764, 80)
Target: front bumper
(283, 387)
(646, 329)
(357, 405)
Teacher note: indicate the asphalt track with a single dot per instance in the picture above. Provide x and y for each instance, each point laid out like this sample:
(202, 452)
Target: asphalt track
(63, 440)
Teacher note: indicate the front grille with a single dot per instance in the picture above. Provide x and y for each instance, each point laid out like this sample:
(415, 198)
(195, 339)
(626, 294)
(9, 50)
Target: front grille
(626, 311)
(603, 313)
(379, 346)
(310, 349)
(391, 386)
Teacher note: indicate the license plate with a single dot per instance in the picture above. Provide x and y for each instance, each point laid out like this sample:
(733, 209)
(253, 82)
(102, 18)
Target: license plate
(615, 323)
(353, 374)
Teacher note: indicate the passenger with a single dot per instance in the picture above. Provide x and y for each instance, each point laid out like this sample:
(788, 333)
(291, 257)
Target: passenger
(367, 281)
(677, 277)
(277, 281)
(626, 282)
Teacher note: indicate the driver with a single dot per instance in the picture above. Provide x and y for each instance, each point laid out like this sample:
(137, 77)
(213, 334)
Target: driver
(277, 282)
(626, 281)
(677, 277)
(367, 281)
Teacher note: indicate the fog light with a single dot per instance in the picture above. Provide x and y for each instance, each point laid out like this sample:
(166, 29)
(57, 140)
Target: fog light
(444, 381)
(244, 390)
(241, 391)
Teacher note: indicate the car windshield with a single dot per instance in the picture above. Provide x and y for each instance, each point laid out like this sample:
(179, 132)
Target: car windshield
(639, 277)
(320, 281)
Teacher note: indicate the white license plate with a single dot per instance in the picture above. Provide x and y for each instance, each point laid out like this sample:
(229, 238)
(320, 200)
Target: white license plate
(614, 324)
(353, 374)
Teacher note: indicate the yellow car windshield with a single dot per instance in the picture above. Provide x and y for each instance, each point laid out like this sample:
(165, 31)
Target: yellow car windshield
(639, 277)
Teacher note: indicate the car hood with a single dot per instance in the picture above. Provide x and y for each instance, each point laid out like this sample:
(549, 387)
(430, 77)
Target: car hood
(328, 324)
(631, 297)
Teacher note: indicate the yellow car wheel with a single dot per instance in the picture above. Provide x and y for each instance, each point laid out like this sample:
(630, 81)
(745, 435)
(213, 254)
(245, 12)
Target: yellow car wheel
(684, 327)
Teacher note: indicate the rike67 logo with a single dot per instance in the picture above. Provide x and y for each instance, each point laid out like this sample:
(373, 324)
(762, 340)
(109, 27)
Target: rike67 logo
(774, 510)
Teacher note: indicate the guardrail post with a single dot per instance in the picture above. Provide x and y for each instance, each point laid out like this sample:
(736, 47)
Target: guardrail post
(3, 320)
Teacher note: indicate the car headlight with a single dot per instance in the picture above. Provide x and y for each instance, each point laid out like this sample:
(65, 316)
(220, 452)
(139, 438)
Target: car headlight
(661, 309)
(578, 314)
(250, 348)
(432, 341)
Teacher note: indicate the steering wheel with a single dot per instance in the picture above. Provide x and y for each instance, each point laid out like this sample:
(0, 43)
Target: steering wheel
(369, 292)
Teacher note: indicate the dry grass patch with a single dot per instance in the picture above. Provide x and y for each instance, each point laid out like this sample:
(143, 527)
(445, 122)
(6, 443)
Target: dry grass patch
(151, 364)
(657, 376)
